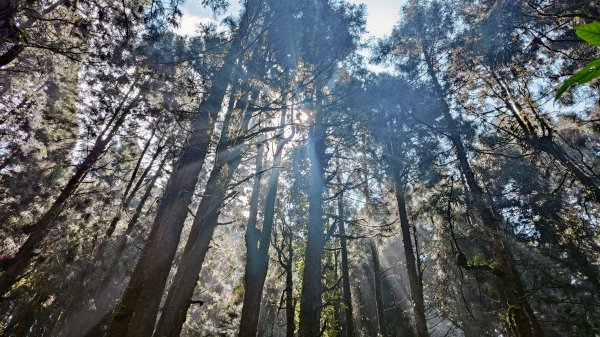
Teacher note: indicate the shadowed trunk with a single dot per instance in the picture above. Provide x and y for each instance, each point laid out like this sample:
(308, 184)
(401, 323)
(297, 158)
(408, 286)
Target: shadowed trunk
(310, 300)
(257, 263)
(347, 293)
(414, 275)
(251, 238)
(378, 274)
(337, 305)
(180, 293)
(290, 302)
(287, 264)
(137, 311)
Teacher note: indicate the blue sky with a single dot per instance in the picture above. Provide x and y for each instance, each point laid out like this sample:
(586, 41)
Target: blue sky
(381, 15)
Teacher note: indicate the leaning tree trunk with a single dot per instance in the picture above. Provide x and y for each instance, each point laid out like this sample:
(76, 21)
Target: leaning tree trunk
(180, 293)
(80, 319)
(414, 282)
(521, 319)
(257, 262)
(136, 313)
(310, 299)
(16, 266)
(129, 193)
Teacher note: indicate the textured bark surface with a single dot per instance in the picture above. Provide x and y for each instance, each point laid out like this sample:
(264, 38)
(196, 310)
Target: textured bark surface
(310, 300)
(144, 290)
(414, 275)
(180, 293)
(137, 311)
(257, 263)
(377, 273)
(251, 309)
(346, 291)
(290, 302)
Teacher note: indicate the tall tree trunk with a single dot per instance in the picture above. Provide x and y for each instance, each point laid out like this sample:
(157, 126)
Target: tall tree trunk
(337, 305)
(521, 319)
(251, 240)
(378, 273)
(136, 313)
(290, 302)
(347, 293)
(257, 262)
(310, 299)
(414, 275)
(206, 220)
(16, 266)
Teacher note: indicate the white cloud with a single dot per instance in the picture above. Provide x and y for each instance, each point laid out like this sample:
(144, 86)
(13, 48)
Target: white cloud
(381, 15)
(189, 23)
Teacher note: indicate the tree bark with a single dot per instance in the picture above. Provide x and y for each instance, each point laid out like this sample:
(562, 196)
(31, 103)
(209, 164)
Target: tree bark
(414, 275)
(347, 292)
(310, 299)
(136, 314)
(290, 302)
(251, 240)
(206, 220)
(377, 272)
(337, 305)
(257, 262)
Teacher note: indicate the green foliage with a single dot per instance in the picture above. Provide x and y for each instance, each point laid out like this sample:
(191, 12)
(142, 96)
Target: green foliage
(22, 37)
(591, 34)
(588, 73)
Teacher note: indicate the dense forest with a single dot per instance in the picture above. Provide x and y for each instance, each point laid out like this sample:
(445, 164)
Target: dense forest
(281, 173)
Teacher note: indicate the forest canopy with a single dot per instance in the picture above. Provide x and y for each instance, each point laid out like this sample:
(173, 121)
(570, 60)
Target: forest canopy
(279, 171)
